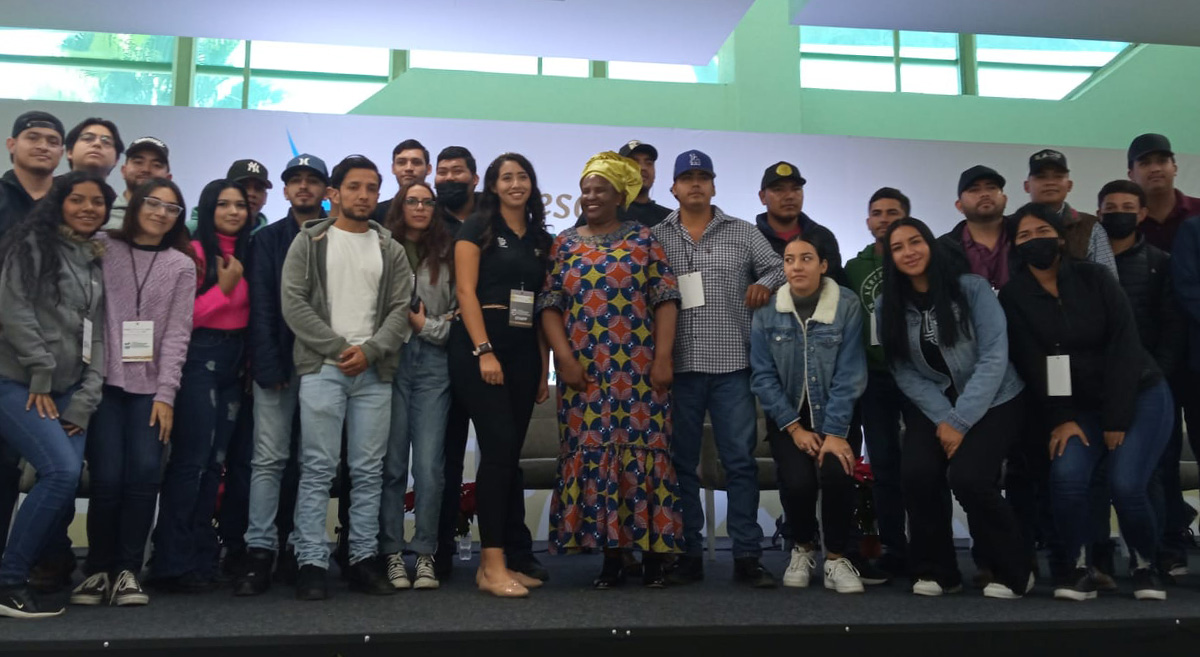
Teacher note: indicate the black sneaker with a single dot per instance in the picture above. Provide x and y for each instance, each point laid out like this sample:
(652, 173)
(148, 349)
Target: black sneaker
(256, 575)
(685, 570)
(869, 573)
(127, 591)
(286, 567)
(750, 571)
(18, 602)
(1079, 586)
(368, 576)
(1147, 585)
(93, 591)
(527, 564)
(311, 583)
(234, 565)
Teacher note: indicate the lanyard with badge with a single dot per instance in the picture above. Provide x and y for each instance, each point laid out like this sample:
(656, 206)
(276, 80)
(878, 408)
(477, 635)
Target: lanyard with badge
(89, 292)
(1058, 375)
(521, 304)
(691, 284)
(137, 337)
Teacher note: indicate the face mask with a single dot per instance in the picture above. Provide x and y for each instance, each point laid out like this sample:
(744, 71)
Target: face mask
(1039, 252)
(452, 195)
(1119, 225)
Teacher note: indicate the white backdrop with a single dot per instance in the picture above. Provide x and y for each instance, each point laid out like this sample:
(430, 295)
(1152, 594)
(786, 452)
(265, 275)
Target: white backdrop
(842, 172)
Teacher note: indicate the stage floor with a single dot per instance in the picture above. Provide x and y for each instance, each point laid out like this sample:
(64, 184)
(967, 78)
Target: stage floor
(567, 612)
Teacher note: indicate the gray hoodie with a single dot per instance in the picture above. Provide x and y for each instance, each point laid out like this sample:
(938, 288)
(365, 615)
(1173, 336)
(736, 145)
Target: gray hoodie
(41, 336)
(306, 305)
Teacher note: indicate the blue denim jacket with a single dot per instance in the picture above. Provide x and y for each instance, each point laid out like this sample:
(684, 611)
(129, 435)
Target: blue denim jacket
(822, 358)
(978, 363)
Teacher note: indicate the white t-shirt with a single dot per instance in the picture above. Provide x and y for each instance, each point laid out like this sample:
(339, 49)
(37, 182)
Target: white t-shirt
(353, 267)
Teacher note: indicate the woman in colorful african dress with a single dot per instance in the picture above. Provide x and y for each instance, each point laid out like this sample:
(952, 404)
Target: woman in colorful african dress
(609, 311)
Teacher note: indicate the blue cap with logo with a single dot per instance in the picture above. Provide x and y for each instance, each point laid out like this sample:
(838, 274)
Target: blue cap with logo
(309, 162)
(693, 160)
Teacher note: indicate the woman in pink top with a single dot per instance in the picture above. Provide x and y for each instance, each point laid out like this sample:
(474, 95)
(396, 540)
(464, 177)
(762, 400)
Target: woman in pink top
(150, 277)
(210, 395)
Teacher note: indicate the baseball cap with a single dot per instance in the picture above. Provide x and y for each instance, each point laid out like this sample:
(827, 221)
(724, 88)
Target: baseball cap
(693, 160)
(781, 171)
(978, 172)
(243, 169)
(306, 161)
(1143, 145)
(149, 144)
(37, 119)
(1047, 159)
(636, 146)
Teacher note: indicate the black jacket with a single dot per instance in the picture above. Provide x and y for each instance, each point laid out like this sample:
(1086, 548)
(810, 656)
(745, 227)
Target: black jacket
(1145, 273)
(807, 225)
(15, 202)
(1090, 321)
(953, 246)
(271, 340)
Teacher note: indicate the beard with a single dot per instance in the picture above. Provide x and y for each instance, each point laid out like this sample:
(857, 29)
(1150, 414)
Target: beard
(348, 213)
(306, 209)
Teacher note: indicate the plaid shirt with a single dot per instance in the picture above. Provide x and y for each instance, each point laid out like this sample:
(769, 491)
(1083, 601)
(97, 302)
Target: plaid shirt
(732, 255)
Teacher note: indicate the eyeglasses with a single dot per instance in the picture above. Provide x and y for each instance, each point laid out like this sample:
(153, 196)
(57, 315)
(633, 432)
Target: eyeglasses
(422, 202)
(170, 209)
(91, 137)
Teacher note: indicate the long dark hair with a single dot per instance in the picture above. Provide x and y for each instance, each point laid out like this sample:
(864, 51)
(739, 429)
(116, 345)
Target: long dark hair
(176, 238)
(45, 224)
(434, 245)
(945, 295)
(206, 230)
(488, 205)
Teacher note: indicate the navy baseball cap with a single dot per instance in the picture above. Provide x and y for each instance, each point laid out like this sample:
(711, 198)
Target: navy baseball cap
(306, 161)
(693, 160)
(37, 119)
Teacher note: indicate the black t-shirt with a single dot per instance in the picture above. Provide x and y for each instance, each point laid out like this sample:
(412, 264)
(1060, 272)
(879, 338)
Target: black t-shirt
(512, 263)
(929, 341)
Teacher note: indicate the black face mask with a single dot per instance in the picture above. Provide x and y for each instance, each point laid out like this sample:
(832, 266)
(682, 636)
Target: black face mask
(1119, 225)
(1039, 252)
(453, 195)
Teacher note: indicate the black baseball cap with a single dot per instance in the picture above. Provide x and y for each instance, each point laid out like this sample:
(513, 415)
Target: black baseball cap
(243, 169)
(1047, 159)
(306, 161)
(149, 144)
(1143, 145)
(37, 119)
(636, 146)
(781, 171)
(976, 173)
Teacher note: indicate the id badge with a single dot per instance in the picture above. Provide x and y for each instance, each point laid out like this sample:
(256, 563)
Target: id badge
(137, 342)
(691, 288)
(86, 350)
(874, 331)
(1058, 376)
(520, 308)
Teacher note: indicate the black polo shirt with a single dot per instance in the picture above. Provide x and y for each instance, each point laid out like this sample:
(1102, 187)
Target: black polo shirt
(510, 263)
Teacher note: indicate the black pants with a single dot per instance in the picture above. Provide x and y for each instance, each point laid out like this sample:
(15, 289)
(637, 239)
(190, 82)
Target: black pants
(10, 483)
(501, 416)
(801, 481)
(973, 475)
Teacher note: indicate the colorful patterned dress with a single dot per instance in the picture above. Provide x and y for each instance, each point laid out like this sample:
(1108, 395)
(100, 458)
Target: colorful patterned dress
(616, 485)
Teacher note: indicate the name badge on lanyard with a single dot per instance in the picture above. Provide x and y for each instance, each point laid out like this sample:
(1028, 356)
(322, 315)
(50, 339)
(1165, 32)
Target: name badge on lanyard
(1058, 376)
(137, 342)
(520, 308)
(86, 347)
(691, 289)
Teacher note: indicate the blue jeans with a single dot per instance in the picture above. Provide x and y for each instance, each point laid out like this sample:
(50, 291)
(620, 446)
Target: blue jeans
(881, 406)
(206, 410)
(420, 403)
(729, 402)
(274, 411)
(58, 459)
(1129, 466)
(327, 399)
(125, 468)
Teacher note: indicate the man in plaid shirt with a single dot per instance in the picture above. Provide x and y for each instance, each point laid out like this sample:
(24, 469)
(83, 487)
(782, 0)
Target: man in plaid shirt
(726, 269)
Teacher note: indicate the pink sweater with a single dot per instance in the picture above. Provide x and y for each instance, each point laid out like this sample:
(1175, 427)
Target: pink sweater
(214, 308)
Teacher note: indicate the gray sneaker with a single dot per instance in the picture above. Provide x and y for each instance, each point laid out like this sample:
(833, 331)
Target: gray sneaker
(426, 574)
(397, 573)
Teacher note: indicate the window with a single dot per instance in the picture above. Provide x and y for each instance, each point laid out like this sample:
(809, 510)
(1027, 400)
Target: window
(872, 60)
(664, 72)
(1029, 67)
(473, 61)
(566, 67)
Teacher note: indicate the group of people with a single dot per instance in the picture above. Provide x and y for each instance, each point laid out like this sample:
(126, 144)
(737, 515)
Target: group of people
(342, 350)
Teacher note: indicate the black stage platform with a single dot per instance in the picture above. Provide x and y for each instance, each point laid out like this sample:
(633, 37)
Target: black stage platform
(567, 617)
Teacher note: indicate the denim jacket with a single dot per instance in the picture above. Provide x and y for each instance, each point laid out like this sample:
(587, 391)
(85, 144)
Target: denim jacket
(978, 362)
(822, 359)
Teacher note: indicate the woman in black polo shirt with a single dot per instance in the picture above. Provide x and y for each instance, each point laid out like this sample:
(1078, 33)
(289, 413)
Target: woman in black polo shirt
(498, 368)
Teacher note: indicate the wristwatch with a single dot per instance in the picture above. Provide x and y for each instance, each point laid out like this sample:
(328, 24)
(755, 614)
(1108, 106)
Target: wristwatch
(483, 348)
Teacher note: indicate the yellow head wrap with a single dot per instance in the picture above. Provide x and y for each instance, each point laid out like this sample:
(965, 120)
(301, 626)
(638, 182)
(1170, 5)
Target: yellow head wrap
(624, 174)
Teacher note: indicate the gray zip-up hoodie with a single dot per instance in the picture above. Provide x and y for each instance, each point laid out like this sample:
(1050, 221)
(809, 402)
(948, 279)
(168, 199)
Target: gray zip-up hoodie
(440, 302)
(41, 336)
(306, 303)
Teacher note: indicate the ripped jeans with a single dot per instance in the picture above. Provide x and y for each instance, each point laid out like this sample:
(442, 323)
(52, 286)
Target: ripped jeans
(206, 412)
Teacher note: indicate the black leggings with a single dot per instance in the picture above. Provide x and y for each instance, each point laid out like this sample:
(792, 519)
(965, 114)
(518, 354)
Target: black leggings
(800, 479)
(501, 416)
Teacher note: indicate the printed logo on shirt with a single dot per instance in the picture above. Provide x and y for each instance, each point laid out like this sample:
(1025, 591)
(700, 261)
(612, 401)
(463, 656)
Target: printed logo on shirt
(929, 327)
(501, 242)
(870, 289)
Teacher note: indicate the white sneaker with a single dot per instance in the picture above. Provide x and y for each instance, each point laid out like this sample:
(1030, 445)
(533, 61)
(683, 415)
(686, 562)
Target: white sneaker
(396, 572)
(1002, 592)
(931, 588)
(842, 576)
(94, 590)
(426, 575)
(800, 568)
